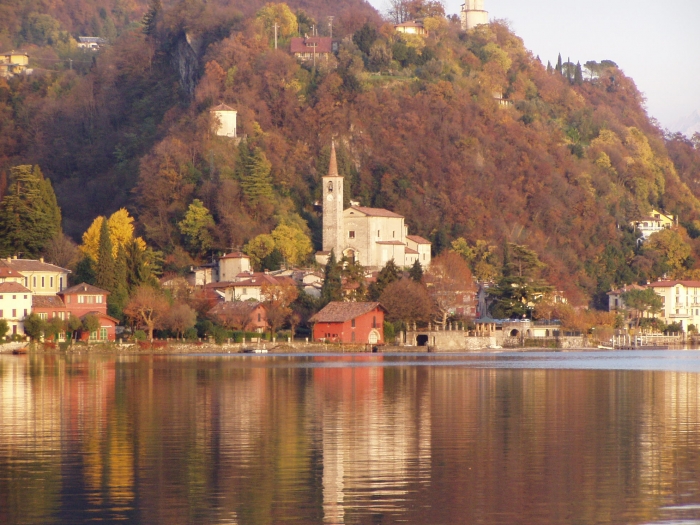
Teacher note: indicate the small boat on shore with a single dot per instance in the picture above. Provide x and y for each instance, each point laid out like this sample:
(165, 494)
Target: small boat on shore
(254, 350)
(19, 351)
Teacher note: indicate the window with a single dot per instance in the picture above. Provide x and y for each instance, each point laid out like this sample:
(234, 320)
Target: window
(14, 297)
(351, 234)
(26, 282)
(1, 296)
(103, 334)
(60, 284)
(374, 321)
(43, 282)
(1, 313)
(25, 296)
(378, 233)
(81, 299)
(34, 281)
(51, 282)
(14, 313)
(245, 291)
(43, 315)
(352, 323)
(259, 317)
(67, 299)
(393, 234)
(93, 336)
(25, 312)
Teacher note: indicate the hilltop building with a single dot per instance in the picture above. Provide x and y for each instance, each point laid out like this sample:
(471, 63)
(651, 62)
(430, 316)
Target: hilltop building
(92, 43)
(224, 120)
(14, 63)
(411, 27)
(313, 48)
(370, 236)
(473, 14)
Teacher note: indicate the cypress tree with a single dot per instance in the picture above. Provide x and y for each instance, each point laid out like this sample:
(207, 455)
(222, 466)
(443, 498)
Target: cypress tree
(387, 275)
(256, 182)
(29, 214)
(104, 267)
(578, 75)
(332, 289)
(118, 298)
(558, 67)
(416, 272)
(549, 67)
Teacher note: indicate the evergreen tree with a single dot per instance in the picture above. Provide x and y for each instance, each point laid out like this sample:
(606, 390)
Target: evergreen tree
(549, 67)
(150, 19)
(138, 271)
(387, 275)
(332, 289)
(416, 272)
(84, 271)
(558, 67)
(117, 300)
(29, 214)
(578, 75)
(256, 182)
(104, 266)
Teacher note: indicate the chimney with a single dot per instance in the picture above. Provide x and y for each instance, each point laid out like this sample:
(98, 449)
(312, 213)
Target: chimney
(41, 259)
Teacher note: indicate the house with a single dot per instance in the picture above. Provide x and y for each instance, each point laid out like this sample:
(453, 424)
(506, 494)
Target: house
(79, 301)
(680, 300)
(241, 315)
(203, 275)
(313, 48)
(233, 264)
(224, 118)
(656, 221)
(15, 305)
(411, 27)
(615, 301)
(14, 63)
(341, 322)
(370, 236)
(40, 277)
(92, 43)
(249, 286)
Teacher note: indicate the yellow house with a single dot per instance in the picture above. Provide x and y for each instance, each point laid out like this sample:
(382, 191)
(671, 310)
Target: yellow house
(411, 27)
(13, 63)
(655, 222)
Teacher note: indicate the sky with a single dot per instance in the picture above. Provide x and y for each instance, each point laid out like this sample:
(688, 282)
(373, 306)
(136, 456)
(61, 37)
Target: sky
(656, 43)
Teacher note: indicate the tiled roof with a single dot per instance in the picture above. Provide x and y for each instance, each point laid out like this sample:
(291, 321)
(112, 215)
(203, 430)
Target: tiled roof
(323, 44)
(101, 315)
(418, 239)
(13, 288)
(626, 289)
(84, 288)
(393, 243)
(47, 301)
(410, 23)
(234, 308)
(338, 312)
(6, 271)
(669, 284)
(376, 212)
(32, 265)
(235, 255)
(411, 251)
(222, 107)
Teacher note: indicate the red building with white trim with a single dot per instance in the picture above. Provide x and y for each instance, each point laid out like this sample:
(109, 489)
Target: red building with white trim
(360, 323)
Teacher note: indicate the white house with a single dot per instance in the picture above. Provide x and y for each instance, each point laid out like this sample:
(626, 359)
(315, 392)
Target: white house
(15, 305)
(656, 221)
(224, 120)
(681, 302)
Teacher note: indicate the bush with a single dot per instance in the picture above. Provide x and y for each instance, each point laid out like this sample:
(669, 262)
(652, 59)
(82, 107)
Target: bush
(191, 334)
(219, 334)
(238, 337)
(140, 335)
(389, 333)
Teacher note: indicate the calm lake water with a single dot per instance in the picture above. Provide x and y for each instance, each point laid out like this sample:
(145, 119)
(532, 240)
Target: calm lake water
(522, 438)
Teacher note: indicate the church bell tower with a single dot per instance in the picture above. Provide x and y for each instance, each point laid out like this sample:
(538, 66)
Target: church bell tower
(473, 14)
(333, 208)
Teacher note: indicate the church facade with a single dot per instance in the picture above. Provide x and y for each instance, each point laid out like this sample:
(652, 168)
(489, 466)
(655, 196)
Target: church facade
(370, 236)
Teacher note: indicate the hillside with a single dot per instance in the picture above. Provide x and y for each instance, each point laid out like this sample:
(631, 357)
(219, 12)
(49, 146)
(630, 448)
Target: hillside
(561, 165)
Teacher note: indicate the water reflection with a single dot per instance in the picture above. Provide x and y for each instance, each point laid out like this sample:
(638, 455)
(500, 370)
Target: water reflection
(350, 439)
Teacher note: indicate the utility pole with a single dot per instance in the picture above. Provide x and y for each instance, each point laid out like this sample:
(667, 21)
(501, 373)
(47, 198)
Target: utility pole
(276, 26)
(330, 23)
(70, 64)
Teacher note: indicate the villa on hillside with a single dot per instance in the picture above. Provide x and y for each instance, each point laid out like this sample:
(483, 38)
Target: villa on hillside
(14, 63)
(313, 48)
(411, 27)
(656, 221)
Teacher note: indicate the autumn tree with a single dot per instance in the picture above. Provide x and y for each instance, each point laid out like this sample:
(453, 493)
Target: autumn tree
(276, 14)
(387, 275)
(147, 308)
(90, 324)
(406, 300)
(642, 302)
(293, 243)
(450, 284)
(481, 257)
(195, 227)
(277, 298)
(179, 318)
(29, 214)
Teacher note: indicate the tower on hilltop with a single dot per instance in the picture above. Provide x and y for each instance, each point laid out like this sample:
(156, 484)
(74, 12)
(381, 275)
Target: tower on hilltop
(333, 208)
(473, 14)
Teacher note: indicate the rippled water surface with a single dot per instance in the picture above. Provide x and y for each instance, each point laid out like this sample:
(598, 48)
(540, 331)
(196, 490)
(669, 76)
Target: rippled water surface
(522, 438)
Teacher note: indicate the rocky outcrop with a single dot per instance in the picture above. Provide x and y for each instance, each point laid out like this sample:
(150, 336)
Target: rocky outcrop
(185, 58)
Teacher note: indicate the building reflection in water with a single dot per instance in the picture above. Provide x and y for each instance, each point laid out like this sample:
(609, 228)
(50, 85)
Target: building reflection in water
(342, 440)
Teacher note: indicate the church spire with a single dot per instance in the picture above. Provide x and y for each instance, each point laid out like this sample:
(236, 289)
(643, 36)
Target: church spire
(333, 164)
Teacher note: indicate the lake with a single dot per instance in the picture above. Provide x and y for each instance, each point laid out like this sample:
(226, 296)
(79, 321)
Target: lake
(510, 438)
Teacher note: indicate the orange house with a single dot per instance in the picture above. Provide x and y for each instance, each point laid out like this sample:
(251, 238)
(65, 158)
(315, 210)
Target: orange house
(340, 322)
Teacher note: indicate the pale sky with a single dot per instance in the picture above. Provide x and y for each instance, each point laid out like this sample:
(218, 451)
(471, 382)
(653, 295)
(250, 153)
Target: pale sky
(655, 42)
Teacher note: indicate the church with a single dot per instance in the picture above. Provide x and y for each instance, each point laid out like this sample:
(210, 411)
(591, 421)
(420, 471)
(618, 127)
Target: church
(370, 236)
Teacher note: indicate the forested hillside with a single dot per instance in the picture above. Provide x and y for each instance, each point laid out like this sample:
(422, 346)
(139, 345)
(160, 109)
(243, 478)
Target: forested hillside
(561, 163)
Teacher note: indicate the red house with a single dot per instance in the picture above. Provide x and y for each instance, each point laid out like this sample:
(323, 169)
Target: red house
(361, 323)
(241, 315)
(79, 301)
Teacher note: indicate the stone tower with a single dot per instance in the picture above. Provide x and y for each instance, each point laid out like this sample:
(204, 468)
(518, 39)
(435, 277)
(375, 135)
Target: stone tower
(333, 208)
(473, 14)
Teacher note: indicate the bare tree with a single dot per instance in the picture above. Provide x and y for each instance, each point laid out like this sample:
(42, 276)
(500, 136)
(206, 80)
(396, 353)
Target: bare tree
(179, 318)
(450, 284)
(147, 308)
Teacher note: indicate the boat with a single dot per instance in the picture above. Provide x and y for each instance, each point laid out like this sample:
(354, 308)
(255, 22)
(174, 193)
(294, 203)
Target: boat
(249, 350)
(19, 351)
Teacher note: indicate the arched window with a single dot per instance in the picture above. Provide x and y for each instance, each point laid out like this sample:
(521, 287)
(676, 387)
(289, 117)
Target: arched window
(330, 186)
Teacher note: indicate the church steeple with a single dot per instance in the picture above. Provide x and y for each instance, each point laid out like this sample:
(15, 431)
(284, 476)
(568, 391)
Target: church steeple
(333, 236)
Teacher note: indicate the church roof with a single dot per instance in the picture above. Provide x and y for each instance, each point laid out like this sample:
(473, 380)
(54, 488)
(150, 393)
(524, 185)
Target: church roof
(339, 312)
(376, 212)
(333, 164)
(411, 251)
(417, 239)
